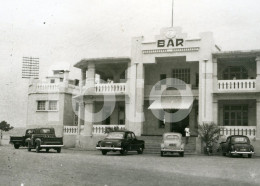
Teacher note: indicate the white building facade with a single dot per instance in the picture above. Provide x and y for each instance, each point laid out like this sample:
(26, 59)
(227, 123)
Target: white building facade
(167, 84)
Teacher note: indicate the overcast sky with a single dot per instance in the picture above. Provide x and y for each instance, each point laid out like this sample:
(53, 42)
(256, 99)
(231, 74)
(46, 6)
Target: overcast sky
(69, 30)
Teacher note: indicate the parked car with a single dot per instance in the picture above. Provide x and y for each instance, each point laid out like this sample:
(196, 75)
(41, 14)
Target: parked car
(172, 143)
(18, 141)
(44, 138)
(120, 141)
(237, 145)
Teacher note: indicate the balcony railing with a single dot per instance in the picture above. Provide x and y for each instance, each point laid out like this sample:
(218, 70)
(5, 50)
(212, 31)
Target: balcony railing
(249, 131)
(110, 88)
(234, 85)
(101, 129)
(70, 130)
(47, 87)
(55, 87)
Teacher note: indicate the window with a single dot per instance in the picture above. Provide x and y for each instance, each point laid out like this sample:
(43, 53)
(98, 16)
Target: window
(53, 105)
(45, 131)
(61, 79)
(41, 105)
(47, 105)
(235, 72)
(133, 136)
(181, 74)
(235, 115)
(52, 80)
(129, 136)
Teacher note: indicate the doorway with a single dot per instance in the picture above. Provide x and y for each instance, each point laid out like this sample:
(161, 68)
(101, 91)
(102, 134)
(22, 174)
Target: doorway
(180, 126)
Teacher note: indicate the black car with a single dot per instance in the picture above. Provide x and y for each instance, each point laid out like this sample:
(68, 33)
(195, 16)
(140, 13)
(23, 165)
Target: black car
(237, 145)
(120, 141)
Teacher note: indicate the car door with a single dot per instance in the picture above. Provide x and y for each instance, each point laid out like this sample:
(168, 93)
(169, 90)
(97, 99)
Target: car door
(134, 142)
(129, 141)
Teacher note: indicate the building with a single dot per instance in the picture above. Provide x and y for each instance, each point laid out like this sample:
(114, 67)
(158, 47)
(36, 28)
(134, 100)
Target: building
(50, 102)
(167, 84)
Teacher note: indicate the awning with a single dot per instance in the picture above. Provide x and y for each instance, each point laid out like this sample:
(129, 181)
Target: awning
(172, 102)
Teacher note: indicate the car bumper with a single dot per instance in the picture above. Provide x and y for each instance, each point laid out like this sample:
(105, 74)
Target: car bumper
(237, 152)
(109, 148)
(50, 146)
(171, 150)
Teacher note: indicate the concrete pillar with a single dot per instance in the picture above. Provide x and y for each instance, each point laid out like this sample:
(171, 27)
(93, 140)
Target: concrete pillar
(215, 112)
(81, 114)
(258, 118)
(89, 114)
(215, 75)
(192, 122)
(258, 73)
(90, 81)
(83, 77)
(206, 91)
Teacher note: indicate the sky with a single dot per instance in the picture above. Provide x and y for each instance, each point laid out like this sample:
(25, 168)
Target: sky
(66, 31)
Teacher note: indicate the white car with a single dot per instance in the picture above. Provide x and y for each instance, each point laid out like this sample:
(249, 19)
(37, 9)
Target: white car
(172, 143)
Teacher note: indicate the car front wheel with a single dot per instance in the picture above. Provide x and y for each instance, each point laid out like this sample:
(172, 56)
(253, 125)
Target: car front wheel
(182, 154)
(38, 148)
(161, 153)
(16, 146)
(123, 152)
(249, 155)
(104, 152)
(140, 151)
(29, 149)
(58, 150)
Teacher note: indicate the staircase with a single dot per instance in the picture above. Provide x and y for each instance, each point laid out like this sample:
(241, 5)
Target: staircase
(153, 145)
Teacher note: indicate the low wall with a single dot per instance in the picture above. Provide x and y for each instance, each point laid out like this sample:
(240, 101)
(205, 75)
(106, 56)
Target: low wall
(69, 141)
(256, 144)
(88, 142)
(14, 132)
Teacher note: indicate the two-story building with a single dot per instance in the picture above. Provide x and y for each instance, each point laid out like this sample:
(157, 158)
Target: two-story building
(167, 84)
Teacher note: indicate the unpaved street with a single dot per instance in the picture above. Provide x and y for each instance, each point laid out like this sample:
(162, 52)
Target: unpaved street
(72, 167)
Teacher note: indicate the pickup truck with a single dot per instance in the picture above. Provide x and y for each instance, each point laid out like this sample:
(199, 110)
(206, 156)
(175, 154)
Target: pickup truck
(237, 145)
(18, 141)
(44, 138)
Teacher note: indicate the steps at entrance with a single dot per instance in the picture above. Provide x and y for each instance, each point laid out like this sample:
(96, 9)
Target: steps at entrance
(153, 145)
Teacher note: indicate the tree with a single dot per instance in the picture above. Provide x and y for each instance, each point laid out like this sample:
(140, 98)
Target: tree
(209, 133)
(4, 126)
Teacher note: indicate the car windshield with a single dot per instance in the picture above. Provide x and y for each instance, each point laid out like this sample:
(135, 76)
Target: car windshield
(29, 131)
(45, 131)
(115, 135)
(239, 140)
(172, 137)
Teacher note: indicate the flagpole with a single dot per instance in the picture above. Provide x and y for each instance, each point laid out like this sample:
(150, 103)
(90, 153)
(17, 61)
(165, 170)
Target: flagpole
(172, 13)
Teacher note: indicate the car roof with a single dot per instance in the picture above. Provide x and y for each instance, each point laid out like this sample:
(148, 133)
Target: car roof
(172, 133)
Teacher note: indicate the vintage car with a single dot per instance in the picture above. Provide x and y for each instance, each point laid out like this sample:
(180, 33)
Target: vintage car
(120, 141)
(20, 140)
(237, 145)
(172, 143)
(44, 138)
